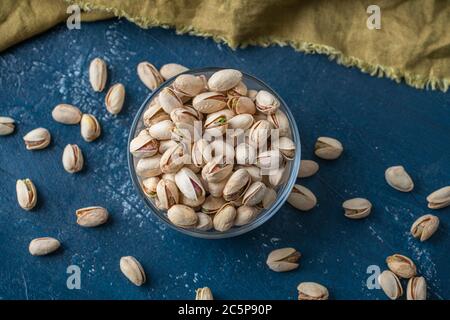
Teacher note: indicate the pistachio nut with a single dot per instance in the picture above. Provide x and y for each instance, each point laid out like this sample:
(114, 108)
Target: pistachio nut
(216, 170)
(237, 185)
(277, 177)
(216, 123)
(424, 227)
(174, 158)
(26, 194)
(224, 80)
(186, 115)
(43, 246)
(269, 198)
(182, 216)
(254, 194)
(167, 193)
(149, 167)
(37, 139)
(245, 154)
(6, 126)
(286, 147)
(165, 145)
(328, 148)
(439, 198)
(212, 204)
(390, 284)
(169, 176)
(98, 74)
(239, 90)
(266, 102)
(416, 289)
(401, 265)
(280, 121)
(90, 127)
(193, 203)
(171, 70)
(66, 114)
(169, 100)
(209, 102)
(198, 151)
(240, 123)
(204, 222)
(154, 113)
(149, 186)
(162, 130)
(219, 149)
(144, 145)
(115, 98)
(259, 133)
(399, 179)
(189, 184)
(302, 198)
(270, 160)
(241, 105)
(308, 168)
(252, 94)
(254, 171)
(72, 158)
(133, 270)
(357, 208)
(183, 132)
(91, 216)
(203, 294)
(149, 75)
(189, 85)
(282, 260)
(224, 218)
(312, 291)
(245, 215)
(216, 188)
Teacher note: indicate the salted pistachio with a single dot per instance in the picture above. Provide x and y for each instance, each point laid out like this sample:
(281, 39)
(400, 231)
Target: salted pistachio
(204, 222)
(259, 133)
(186, 115)
(165, 145)
(357, 208)
(266, 102)
(149, 186)
(149, 167)
(72, 158)
(238, 91)
(212, 204)
(162, 130)
(203, 294)
(167, 193)
(37, 139)
(277, 177)
(237, 185)
(43, 246)
(217, 170)
(182, 216)
(312, 291)
(416, 289)
(6, 126)
(216, 123)
(149, 75)
(241, 105)
(245, 154)
(254, 194)
(91, 216)
(171, 70)
(302, 198)
(198, 151)
(245, 215)
(424, 227)
(308, 168)
(254, 171)
(209, 102)
(144, 145)
(401, 265)
(286, 147)
(252, 94)
(90, 127)
(154, 113)
(115, 98)
(189, 85)
(193, 203)
(328, 148)
(282, 260)
(439, 198)
(224, 80)
(269, 198)
(133, 270)
(169, 100)
(224, 218)
(26, 194)
(66, 114)
(98, 74)
(240, 123)
(390, 284)
(216, 188)
(189, 184)
(280, 121)
(399, 179)
(270, 160)
(183, 132)
(174, 158)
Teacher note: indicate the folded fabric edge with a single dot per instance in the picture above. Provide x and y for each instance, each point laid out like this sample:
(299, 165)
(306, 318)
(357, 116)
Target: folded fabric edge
(396, 74)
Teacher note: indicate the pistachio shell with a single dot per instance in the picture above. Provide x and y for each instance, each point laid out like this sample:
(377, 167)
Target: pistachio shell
(308, 168)
(6, 126)
(154, 113)
(149, 75)
(259, 133)
(328, 148)
(237, 185)
(216, 188)
(165, 145)
(312, 291)
(245, 215)
(149, 186)
(282, 260)
(26, 194)
(399, 179)
(439, 198)
(357, 208)
(149, 167)
(252, 94)
(280, 121)
(189, 184)
(43, 246)
(204, 222)
(239, 90)
(255, 194)
(270, 160)
(240, 123)
(169, 100)
(212, 204)
(98, 74)
(424, 227)
(402, 266)
(37, 139)
(91, 216)
(66, 114)
(417, 289)
(189, 85)
(171, 70)
(115, 98)
(162, 130)
(269, 198)
(72, 158)
(266, 102)
(224, 218)
(224, 80)
(167, 193)
(144, 145)
(174, 159)
(182, 216)
(185, 115)
(90, 127)
(203, 294)
(390, 284)
(241, 105)
(209, 102)
(286, 147)
(245, 154)
(133, 270)
(302, 198)
(198, 151)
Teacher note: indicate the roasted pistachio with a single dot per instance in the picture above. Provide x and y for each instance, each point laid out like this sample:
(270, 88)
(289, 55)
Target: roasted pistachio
(149, 186)
(269, 198)
(402, 266)
(245, 154)
(98, 74)
(209, 102)
(224, 80)
(189, 85)
(43, 246)
(312, 291)
(66, 114)
(302, 198)
(204, 222)
(439, 198)
(237, 185)
(254, 194)
(144, 145)
(399, 179)
(280, 121)
(174, 158)
(424, 227)
(72, 158)
(6, 126)
(237, 91)
(182, 216)
(270, 160)
(266, 102)
(308, 168)
(282, 260)
(189, 184)
(90, 127)
(133, 270)
(357, 208)
(245, 215)
(212, 204)
(169, 100)
(170, 70)
(37, 139)
(115, 98)
(167, 193)
(26, 194)
(286, 147)
(162, 130)
(224, 218)
(91, 216)
(390, 284)
(217, 170)
(149, 167)
(259, 133)
(328, 148)
(241, 105)
(416, 289)
(149, 75)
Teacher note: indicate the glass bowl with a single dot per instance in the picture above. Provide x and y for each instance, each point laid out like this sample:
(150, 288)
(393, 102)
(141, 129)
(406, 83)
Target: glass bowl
(282, 192)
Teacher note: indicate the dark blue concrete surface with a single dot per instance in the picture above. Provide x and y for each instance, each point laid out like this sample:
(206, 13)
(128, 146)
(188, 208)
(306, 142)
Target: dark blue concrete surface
(379, 122)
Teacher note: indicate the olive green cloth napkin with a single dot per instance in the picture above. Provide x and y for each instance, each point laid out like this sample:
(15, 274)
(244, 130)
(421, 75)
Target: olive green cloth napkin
(413, 43)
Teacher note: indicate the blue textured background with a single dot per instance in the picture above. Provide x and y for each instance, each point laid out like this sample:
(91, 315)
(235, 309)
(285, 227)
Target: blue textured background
(379, 122)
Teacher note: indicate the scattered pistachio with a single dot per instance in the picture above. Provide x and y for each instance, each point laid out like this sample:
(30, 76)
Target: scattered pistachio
(91, 216)
(149, 75)
(90, 127)
(390, 284)
(302, 198)
(402, 266)
(328, 148)
(282, 260)
(98, 74)
(6, 126)
(26, 194)
(72, 158)
(399, 179)
(171, 70)
(37, 139)
(115, 98)
(133, 270)
(312, 291)
(357, 208)
(66, 114)
(439, 198)
(43, 246)
(424, 227)
(416, 289)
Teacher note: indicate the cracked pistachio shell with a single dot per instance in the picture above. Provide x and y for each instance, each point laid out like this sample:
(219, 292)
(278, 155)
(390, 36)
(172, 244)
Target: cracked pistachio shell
(237, 185)
(149, 167)
(216, 188)
(91, 216)
(189, 184)
(204, 222)
(171, 70)
(133, 270)
(357, 208)
(26, 194)
(189, 85)
(217, 170)
(37, 139)
(90, 127)
(98, 74)
(209, 102)
(302, 198)
(66, 114)
(254, 171)
(399, 179)
(198, 153)
(424, 227)
(182, 216)
(149, 75)
(328, 148)
(254, 194)
(203, 294)
(144, 145)
(149, 186)
(224, 218)
(224, 80)
(154, 113)
(439, 198)
(280, 121)
(401, 265)
(167, 193)
(169, 100)
(162, 130)
(252, 94)
(43, 246)
(219, 148)
(115, 98)
(186, 115)
(312, 291)
(193, 203)
(165, 145)
(245, 215)
(277, 176)
(269, 198)
(308, 168)
(416, 289)
(245, 154)
(216, 123)
(212, 204)
(174, 158)
(286, 147)
(282, 260)
(72, 158)
(390, 284)
(241, 105)
(239, 90)
(240, 124)
(270, 160)
(266, 102)
(6, 126)
(183, 132)
(259, 133)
